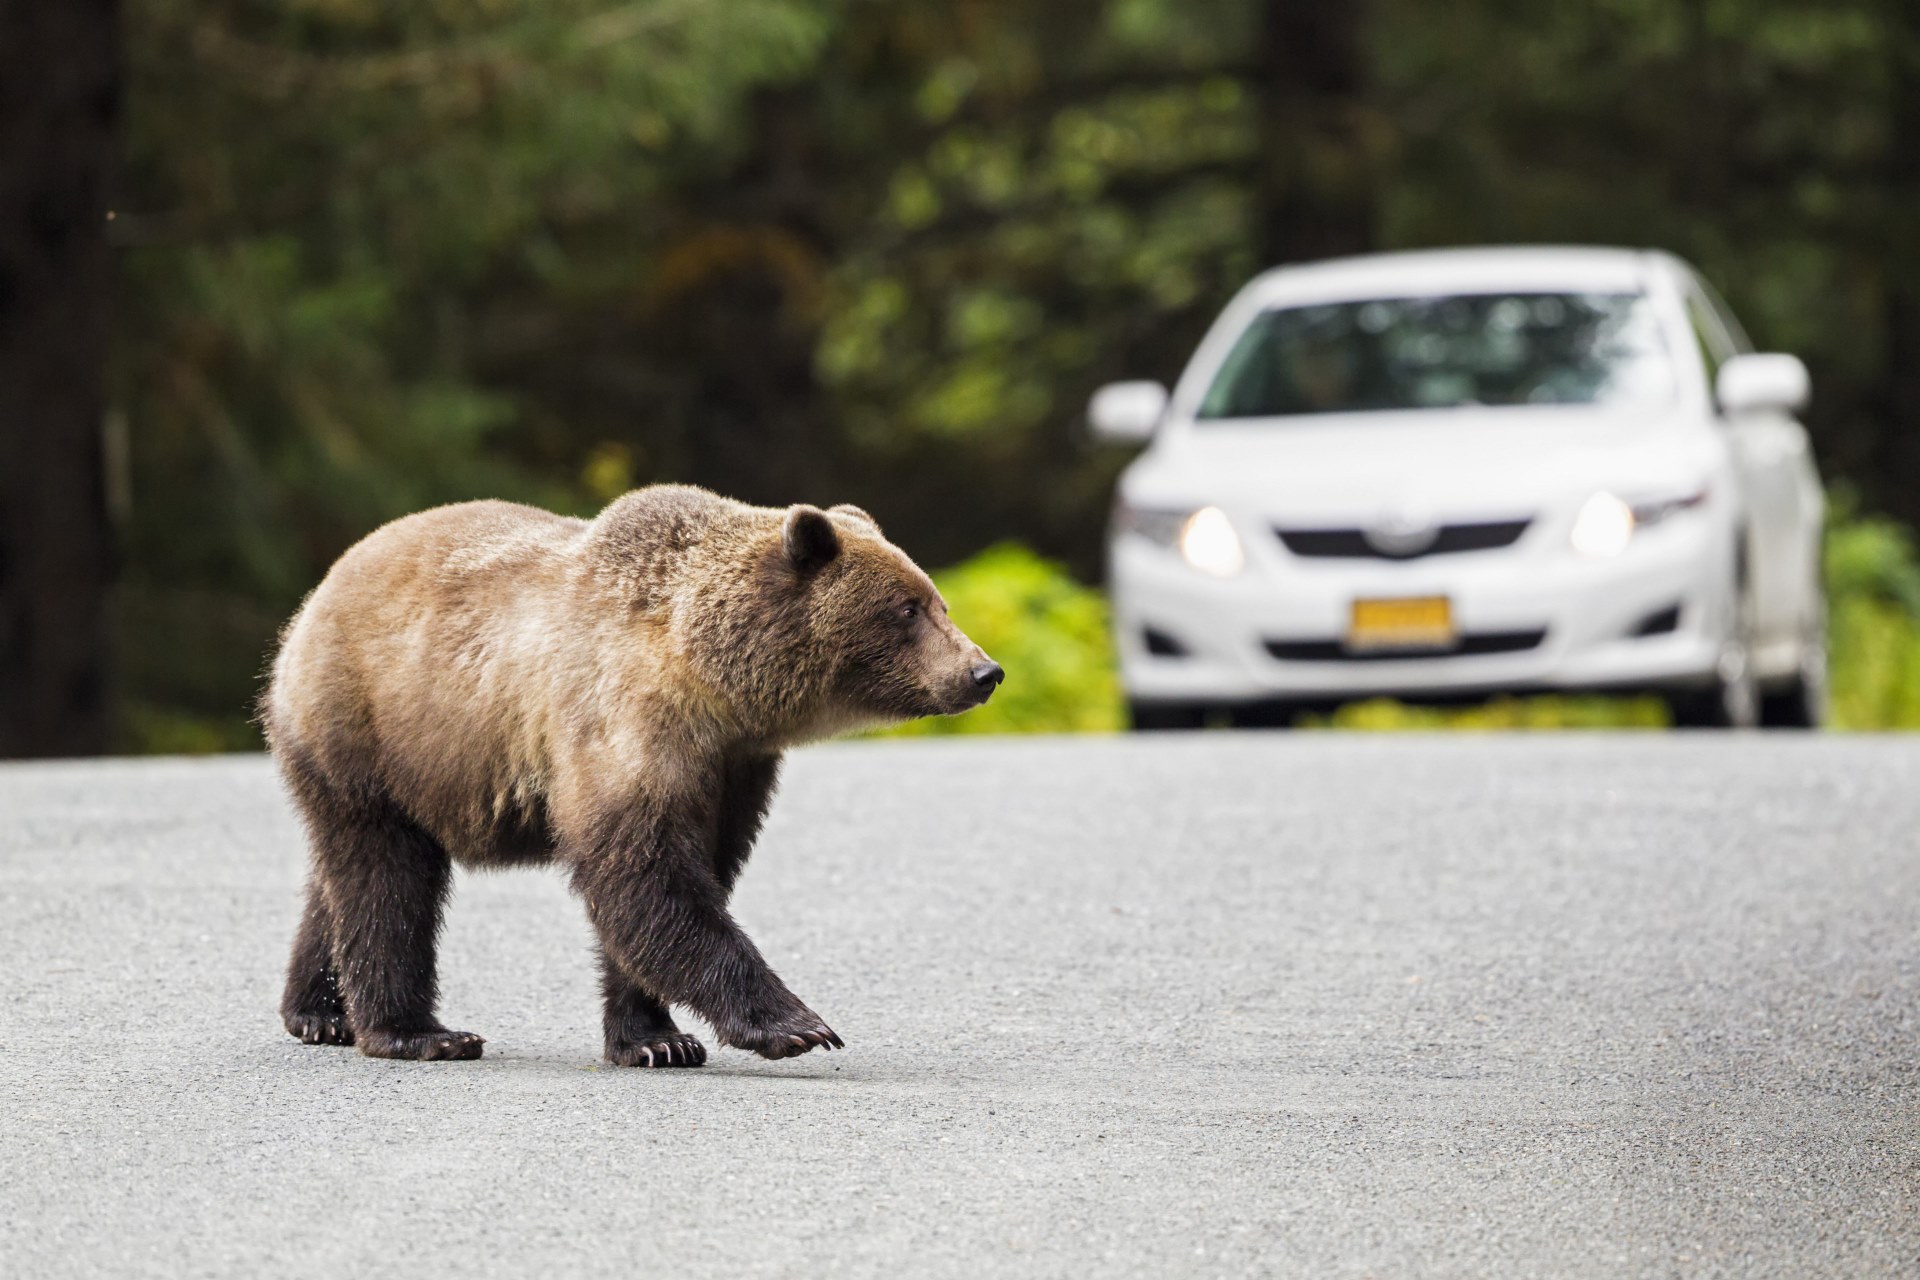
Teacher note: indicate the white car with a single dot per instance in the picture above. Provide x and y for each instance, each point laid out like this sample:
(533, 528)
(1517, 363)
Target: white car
(1451, 474)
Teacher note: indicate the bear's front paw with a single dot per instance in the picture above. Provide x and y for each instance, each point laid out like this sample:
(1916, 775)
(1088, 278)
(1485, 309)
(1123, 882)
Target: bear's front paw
(426, 1044)
(677, 1049)
(318, 1028)
(785, 1037)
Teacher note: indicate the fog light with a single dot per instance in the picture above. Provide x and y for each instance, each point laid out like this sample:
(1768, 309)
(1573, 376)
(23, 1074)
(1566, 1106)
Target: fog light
(1604, 526)
(1209, 544)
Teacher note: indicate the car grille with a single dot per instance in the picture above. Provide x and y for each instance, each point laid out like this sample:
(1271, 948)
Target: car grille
(1160, 644)
(1477, 643)
(1352, 543)
(1661, 623)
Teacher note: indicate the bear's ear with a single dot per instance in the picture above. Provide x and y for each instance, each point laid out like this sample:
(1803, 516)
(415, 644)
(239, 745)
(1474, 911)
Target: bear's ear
(809, 538)
(848, 509)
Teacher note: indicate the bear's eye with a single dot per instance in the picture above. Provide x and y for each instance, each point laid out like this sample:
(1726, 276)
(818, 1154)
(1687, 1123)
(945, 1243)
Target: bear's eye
(909, 611)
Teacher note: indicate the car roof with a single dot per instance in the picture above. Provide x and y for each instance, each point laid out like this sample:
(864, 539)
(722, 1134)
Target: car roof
(1533, 269)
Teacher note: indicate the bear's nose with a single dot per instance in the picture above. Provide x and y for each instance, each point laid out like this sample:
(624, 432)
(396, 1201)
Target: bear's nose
(987, 675)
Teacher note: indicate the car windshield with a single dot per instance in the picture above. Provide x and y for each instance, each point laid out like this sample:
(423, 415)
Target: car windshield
(1444, 352)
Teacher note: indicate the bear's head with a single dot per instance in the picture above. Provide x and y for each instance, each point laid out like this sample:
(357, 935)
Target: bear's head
(892, 652)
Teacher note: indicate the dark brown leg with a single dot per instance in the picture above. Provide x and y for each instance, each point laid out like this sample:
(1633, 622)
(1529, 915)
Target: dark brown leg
(651, 892)
(640, 1031)
(311, 1007)
(382, 882)
(746, 791)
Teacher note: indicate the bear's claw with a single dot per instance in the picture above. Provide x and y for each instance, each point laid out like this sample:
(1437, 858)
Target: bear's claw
(431, 1044)
(677, 1050)
(789, 1040)
(817, 1037)
(318, 1028)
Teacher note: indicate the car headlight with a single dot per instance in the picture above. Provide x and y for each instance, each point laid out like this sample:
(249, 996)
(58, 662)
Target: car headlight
(1604, 526)
(1606, 522)
(1209, 544)
(1649, 513)
(1204, 539)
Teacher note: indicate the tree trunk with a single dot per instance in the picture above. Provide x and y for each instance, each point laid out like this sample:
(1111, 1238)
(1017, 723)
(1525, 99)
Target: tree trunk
(1317, 161)
(59, 114)
(1896, 462)
(761, 432)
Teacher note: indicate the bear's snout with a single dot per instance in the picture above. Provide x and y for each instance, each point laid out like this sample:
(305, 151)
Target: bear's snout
(982, 679)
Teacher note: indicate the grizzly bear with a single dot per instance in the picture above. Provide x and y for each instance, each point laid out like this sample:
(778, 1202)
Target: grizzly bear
(492, 684)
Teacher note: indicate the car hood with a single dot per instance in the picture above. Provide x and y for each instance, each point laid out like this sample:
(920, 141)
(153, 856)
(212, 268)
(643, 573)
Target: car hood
(1451, 463)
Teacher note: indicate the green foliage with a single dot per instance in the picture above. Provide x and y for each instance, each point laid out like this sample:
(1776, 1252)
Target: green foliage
(1876, 674)
(1873, 599)
(1048, 631)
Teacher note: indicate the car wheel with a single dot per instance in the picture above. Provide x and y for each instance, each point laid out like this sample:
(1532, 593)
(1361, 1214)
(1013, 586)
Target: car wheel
(1732, 700)
(1155, 716)
(1802, 704)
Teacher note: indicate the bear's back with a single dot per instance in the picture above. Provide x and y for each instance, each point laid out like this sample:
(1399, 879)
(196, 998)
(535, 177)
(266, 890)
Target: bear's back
(408, 609)
(651, 543)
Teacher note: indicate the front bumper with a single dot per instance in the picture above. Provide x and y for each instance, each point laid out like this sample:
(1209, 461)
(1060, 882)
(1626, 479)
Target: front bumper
(1585, 611)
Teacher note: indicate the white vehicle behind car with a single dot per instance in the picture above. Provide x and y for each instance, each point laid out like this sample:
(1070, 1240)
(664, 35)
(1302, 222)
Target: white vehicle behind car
(1465, 472)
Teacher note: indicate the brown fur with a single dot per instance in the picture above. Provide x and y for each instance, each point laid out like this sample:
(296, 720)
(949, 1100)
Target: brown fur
(492, 684)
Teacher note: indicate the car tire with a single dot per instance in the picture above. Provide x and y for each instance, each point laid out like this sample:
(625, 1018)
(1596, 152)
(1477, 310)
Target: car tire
(1732, 700)
(1802, 703)
(1153, 717)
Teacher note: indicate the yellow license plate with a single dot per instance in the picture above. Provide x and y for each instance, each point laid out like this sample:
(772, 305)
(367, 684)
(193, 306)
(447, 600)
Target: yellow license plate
(1416, 622)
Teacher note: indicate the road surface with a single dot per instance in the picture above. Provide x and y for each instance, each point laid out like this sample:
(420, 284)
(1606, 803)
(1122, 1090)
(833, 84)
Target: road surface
(1192, 1005)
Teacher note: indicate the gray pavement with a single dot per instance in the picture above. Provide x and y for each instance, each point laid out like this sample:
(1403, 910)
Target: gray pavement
(1320, 1005)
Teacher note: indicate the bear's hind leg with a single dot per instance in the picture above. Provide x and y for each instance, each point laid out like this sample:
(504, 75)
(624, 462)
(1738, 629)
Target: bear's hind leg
(639, 1030)
(311, 1008)
(385, 880)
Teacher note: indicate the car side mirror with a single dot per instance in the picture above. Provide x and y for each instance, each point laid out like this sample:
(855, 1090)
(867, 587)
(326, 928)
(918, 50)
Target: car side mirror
(1768, 382)
(1127, 412)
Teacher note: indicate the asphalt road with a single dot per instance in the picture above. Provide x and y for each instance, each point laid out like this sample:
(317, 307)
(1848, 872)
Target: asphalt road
(1217, 1004)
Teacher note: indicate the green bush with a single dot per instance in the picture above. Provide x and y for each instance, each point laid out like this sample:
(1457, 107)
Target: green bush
(1051, 635)
(1873, 620)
